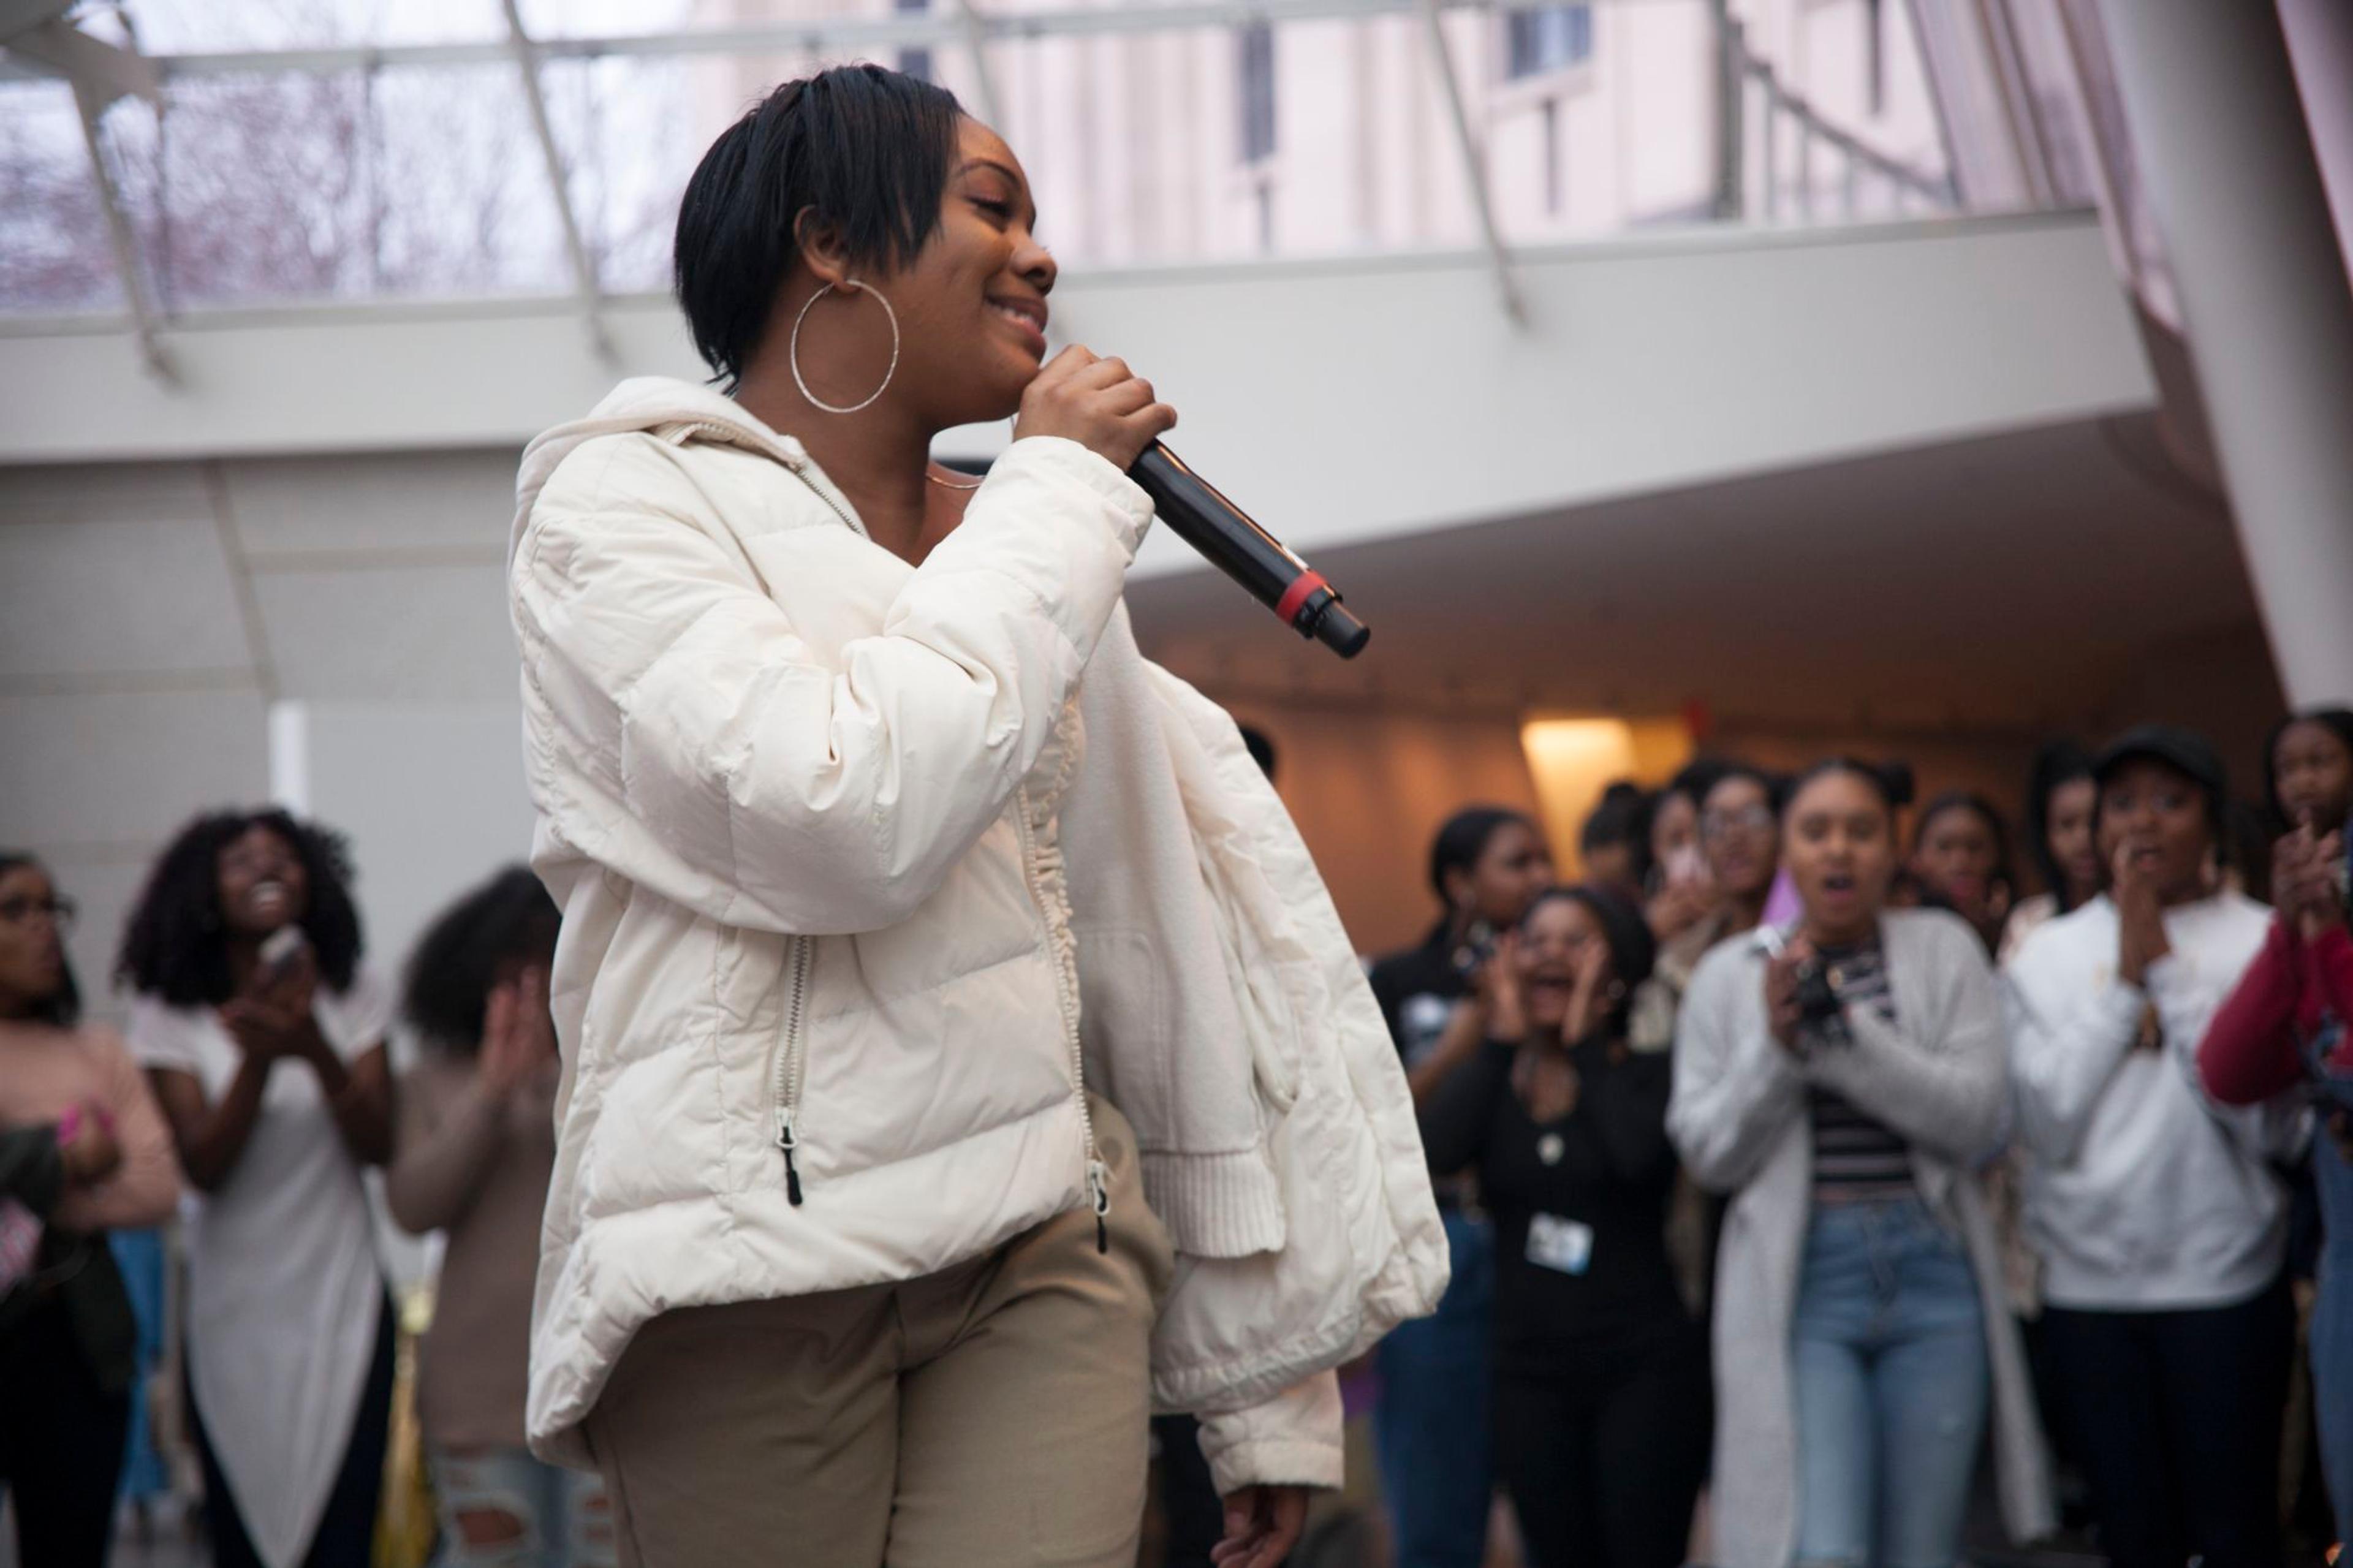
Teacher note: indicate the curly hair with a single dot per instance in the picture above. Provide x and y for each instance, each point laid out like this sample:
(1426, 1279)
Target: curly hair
(175, 945)
(473, 944)
(61, 1007)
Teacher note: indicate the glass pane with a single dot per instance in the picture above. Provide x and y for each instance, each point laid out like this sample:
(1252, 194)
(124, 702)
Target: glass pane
(207, 27)
(631, 18)
(461, 201)
(54, 252)
(1841, 119)
(1603, 118)
(414, 180)
(631, 131)
(1321, 137)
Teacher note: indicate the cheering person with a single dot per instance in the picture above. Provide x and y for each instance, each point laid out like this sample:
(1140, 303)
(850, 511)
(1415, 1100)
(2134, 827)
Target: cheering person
(1843, 1078)
(1601, 1395)
(2162, 1232)
(264, 1036)
(2281, 1036)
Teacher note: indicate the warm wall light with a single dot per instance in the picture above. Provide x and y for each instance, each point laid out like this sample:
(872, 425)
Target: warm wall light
(1574, 760)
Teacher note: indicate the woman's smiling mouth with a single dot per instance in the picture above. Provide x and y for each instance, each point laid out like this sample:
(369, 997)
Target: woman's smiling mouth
(1030, 315)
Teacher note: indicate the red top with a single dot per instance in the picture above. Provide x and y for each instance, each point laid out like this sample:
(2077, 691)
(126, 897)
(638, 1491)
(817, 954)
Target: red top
(2249, 1053)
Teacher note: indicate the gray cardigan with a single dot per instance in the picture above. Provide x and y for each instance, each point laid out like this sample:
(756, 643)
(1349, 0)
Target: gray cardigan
(1938, 1076)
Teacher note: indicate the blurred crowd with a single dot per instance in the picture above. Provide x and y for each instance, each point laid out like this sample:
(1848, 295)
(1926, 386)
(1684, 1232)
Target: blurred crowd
(1823, 1190)
(1823, 1185)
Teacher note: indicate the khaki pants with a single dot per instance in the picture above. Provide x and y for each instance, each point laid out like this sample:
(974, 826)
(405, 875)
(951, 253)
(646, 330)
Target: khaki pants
(992, 1413)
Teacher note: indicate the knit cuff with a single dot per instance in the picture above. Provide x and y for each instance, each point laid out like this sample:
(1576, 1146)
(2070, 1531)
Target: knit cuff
(1216, 1205)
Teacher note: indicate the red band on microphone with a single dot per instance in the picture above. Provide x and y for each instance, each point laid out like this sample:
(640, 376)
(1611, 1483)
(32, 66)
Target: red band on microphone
(1286, 609)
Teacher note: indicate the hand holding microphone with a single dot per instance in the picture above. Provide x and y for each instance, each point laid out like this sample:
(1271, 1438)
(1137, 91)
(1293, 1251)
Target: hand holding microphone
(1098, 402)
(1105, 407)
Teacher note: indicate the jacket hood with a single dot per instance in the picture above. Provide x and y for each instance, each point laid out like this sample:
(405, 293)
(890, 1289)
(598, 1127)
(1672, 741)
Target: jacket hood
(643, 402)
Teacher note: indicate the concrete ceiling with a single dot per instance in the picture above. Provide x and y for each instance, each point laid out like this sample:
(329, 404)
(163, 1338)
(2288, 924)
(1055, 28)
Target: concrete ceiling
(2003, 582)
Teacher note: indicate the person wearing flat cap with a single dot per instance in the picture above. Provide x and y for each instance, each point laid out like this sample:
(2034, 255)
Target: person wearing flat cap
(2161, 1229)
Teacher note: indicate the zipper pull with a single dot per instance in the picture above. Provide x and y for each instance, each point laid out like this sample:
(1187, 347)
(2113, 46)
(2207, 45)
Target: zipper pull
(788, 1140)
(1099, 1197)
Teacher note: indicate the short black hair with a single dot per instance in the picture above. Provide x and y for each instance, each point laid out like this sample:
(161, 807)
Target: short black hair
(2337, 722)
(1694, 779)
(861, 147)
(1622, 815)
(1775, 785)
(1260, 747)
(1954, 800)
(174, 946)
(61, 1007)
(1890, 781)
(1463, 838)
(2057, 764)
(490, 932)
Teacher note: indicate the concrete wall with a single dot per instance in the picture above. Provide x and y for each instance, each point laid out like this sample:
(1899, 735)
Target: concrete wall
(154, 614)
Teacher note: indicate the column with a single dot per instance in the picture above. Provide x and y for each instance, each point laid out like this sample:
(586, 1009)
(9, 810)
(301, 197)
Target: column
(2219, 137)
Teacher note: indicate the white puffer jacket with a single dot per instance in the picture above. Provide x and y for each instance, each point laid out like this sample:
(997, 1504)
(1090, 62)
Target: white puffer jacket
(834, 879)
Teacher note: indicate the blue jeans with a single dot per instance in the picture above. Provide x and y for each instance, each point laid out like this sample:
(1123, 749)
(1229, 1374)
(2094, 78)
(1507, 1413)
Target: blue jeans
(1430, 1429)
(524, 1514)
(139, 1255)
(2332, 1329)
(1889, 1357)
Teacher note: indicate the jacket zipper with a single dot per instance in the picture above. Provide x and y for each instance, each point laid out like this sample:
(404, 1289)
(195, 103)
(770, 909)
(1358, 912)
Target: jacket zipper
(789, 1065)
(788, 1069)
(1098, 1173)
(789, 1060)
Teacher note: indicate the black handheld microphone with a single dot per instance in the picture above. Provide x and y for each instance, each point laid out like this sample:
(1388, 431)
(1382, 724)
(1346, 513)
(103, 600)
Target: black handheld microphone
(1223, 532)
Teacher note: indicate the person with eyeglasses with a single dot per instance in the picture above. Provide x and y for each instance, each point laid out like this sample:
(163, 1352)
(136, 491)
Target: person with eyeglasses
(2167, 1323)
(263, 1032)
(2283, 1037)
(1738, 834)
(1680, 894)
(1842, 1078)
(83, 1149)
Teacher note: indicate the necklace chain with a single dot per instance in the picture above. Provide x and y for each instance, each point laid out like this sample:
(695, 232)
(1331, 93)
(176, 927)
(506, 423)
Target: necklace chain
(951, 484)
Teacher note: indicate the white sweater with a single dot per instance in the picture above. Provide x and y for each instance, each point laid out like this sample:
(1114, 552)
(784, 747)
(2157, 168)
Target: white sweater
(2141, 1194)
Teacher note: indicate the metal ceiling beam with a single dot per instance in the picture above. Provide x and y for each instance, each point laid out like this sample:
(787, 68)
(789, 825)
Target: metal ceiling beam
(107, 71)
(525, 54)
(97, 73)
(22, 15)
(120, 238)
(976, 40)
(951, 26)
(1474, 160)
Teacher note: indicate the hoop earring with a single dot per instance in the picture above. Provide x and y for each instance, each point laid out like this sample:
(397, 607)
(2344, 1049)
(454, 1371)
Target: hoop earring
(793, 349)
